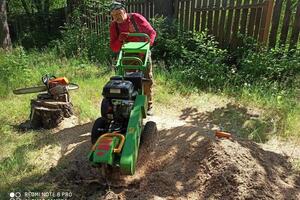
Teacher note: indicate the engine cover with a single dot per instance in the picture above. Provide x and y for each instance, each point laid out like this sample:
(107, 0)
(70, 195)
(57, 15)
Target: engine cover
(118, 89)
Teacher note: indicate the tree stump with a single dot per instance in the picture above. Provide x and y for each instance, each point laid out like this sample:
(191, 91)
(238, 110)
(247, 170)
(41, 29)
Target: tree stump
(48, 113)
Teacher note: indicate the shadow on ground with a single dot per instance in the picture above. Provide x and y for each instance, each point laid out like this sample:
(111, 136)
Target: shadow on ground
(188, 163)
(233, 118)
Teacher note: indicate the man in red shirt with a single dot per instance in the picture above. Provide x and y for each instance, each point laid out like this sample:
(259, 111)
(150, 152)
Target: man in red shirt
(124, 23)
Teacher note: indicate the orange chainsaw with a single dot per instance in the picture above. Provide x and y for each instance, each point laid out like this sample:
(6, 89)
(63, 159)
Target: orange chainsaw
(52, 85)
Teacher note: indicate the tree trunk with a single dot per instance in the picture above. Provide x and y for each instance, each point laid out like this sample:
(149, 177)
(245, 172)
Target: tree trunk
(5, 41)
(49, 113)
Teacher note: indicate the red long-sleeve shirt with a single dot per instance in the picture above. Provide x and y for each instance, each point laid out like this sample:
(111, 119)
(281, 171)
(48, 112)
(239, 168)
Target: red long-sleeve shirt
(127, 26)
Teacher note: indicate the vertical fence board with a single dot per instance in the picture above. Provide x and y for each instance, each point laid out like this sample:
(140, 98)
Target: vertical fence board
(146, 10)
(244, 18)
(266, 21)
(229, 22)
(251, 19)
(286, 22)
(181, 14)
(258, 18)
(151, 9)
(210, 16)
(236, 22)
(186, 15)
(275, 23)
(296, 27)
(192, 15)
(203, 16)
(216, 18)
(198, 16)
(176, 9)
(222, 22)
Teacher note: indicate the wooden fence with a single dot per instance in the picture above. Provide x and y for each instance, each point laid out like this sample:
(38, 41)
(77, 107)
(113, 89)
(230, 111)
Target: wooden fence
(271, 22)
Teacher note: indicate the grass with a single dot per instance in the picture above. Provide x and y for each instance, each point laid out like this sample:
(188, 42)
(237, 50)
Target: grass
(20, 160)
(21, 163)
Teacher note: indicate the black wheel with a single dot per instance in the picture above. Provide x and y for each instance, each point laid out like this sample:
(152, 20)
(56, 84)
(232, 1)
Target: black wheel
(149, 137)
(105, 108)
(98, 129)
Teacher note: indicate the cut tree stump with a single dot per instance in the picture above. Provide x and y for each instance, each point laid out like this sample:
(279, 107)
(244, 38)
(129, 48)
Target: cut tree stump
(49, 113)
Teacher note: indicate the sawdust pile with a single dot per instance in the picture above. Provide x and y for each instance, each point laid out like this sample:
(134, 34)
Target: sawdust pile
(223, 169)
(187, 163)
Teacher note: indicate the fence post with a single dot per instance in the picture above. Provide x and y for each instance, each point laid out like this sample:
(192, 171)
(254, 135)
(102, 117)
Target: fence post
(265, 21)
(275, 23)
(164, 8)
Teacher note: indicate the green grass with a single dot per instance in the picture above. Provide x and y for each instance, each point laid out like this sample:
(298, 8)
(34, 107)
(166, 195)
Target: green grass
(20, 159)
(281, 106)
(20, 163)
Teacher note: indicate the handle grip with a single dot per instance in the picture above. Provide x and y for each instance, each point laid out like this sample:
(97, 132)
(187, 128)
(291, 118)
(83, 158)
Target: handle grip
(143, 35)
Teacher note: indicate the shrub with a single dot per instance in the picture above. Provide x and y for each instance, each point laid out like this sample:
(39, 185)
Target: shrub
(195, 55)
(80, 41)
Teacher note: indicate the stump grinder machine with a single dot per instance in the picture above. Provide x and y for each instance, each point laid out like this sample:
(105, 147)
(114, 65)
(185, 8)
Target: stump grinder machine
(116, 136)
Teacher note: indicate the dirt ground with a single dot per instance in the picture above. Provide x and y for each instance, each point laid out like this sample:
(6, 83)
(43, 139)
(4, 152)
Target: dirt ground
(188, 162)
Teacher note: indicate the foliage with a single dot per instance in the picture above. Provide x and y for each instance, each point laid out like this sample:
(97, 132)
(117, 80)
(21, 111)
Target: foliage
(34, 23)
(268, 78)
(200, 61)
(196, 55)
(24, 69)
(79, 40)
(32, 6)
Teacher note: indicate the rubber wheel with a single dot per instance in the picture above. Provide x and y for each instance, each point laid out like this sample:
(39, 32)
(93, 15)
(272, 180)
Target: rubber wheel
(100, 123)
(149, 137)
(105, 104)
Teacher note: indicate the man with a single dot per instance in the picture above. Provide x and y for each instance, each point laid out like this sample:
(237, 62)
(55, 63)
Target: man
(124, 23)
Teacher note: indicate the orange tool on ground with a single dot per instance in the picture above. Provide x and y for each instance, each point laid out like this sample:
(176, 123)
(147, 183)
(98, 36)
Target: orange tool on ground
(222, 134)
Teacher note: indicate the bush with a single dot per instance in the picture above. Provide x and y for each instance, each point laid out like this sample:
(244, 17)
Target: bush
(195, 55)
(270, 67)
(80, 41)
(201, 62)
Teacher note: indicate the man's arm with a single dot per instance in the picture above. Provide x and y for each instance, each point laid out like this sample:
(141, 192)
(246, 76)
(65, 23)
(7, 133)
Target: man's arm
(144, 26)
(115, 43)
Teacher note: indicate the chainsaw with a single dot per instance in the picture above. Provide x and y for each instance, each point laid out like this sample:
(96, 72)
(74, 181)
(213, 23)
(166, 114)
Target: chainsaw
(53, 87)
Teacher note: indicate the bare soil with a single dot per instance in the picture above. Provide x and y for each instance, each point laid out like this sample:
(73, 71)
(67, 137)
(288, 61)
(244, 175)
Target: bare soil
(187, 163)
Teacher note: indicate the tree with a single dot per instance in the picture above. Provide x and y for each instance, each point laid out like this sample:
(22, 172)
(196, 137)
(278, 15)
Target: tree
(5, 41)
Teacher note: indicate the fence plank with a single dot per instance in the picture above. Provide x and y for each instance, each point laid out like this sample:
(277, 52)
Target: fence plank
(146, 9)
(210, 16)
(181, 15)
(203, 16)
(222, 22)
(296, 28)
(286, 22)
(187, 15)
(258, 18)
(266, 21)
(229, 22)
(192, 15)
(176, 9)
(275, 23)
(244, 18)
(151, 9)
(216, 18)
(198, 14)
(236, 23)
(251, 19)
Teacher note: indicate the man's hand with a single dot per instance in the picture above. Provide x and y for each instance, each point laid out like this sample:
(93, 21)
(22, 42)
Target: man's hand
(123, 36)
